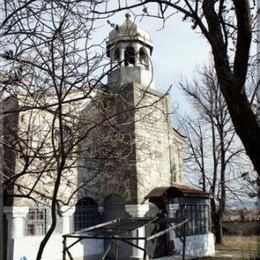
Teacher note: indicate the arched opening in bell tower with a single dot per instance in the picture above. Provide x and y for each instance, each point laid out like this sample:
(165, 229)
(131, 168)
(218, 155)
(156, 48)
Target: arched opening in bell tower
(129, 56)
(117, 56)
(143, 58)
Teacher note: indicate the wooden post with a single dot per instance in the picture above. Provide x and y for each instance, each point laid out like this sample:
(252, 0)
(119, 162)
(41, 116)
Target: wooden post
(145, 255)
(64, 248)
(184, 241)
(116, 249)
(106, 251)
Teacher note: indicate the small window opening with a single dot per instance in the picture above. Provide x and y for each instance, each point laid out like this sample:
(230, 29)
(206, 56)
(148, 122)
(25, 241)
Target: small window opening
(36, 222)
(117, 55)
(67, 133)
(67, 138)
(129, 56)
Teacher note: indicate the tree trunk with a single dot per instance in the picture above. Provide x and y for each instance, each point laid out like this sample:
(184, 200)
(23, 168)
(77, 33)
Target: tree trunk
(232, 81)
(216, 218)
(218, 230)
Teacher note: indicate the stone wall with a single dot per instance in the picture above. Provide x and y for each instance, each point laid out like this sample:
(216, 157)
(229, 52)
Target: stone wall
(134, 150)
(158, 156)
(107, 155)
(34, 135)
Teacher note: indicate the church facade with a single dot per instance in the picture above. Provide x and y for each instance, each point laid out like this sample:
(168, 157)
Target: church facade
(126, 163)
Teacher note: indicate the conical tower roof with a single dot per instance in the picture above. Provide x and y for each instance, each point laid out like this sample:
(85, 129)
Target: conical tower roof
(129, 31)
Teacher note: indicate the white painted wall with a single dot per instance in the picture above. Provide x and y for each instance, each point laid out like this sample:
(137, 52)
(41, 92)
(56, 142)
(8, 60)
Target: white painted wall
(22, 247)
(26, 248)
(125, 75)
(200, 245)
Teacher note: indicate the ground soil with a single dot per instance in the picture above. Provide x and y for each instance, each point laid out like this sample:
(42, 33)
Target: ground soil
(238, 247)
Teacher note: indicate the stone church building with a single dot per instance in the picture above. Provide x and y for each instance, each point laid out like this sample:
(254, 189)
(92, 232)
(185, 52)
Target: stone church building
(127, 163)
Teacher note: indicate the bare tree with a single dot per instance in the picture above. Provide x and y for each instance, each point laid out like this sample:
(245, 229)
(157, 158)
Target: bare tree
(57, 111)
(215, 158)
(227, 26)
(50, 63)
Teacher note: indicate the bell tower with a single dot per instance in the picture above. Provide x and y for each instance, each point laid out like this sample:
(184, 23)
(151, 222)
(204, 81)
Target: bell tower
(129, 48)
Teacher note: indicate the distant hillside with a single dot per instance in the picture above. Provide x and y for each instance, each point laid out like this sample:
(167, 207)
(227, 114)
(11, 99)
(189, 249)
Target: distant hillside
(242, 215)
(248, 204)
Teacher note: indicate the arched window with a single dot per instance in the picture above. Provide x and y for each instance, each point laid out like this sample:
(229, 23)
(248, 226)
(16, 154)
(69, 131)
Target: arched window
(86, 214)
(129, 56)
(114, 208)
(143, 58)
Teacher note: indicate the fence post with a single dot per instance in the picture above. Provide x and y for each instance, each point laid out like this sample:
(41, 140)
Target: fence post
(145, 253)
(64, 248)
(184, 241)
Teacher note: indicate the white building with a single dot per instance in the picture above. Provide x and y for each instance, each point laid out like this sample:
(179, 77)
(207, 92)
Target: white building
(130, 161)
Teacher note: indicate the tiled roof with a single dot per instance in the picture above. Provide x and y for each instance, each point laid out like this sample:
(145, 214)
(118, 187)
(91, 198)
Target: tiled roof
(176, 190)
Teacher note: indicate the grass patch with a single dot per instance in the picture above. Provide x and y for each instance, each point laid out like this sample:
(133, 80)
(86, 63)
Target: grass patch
(240, 243)
(243, 247)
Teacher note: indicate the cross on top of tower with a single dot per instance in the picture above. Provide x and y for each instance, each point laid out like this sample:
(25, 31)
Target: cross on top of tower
(129, 32)
(127, 16)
